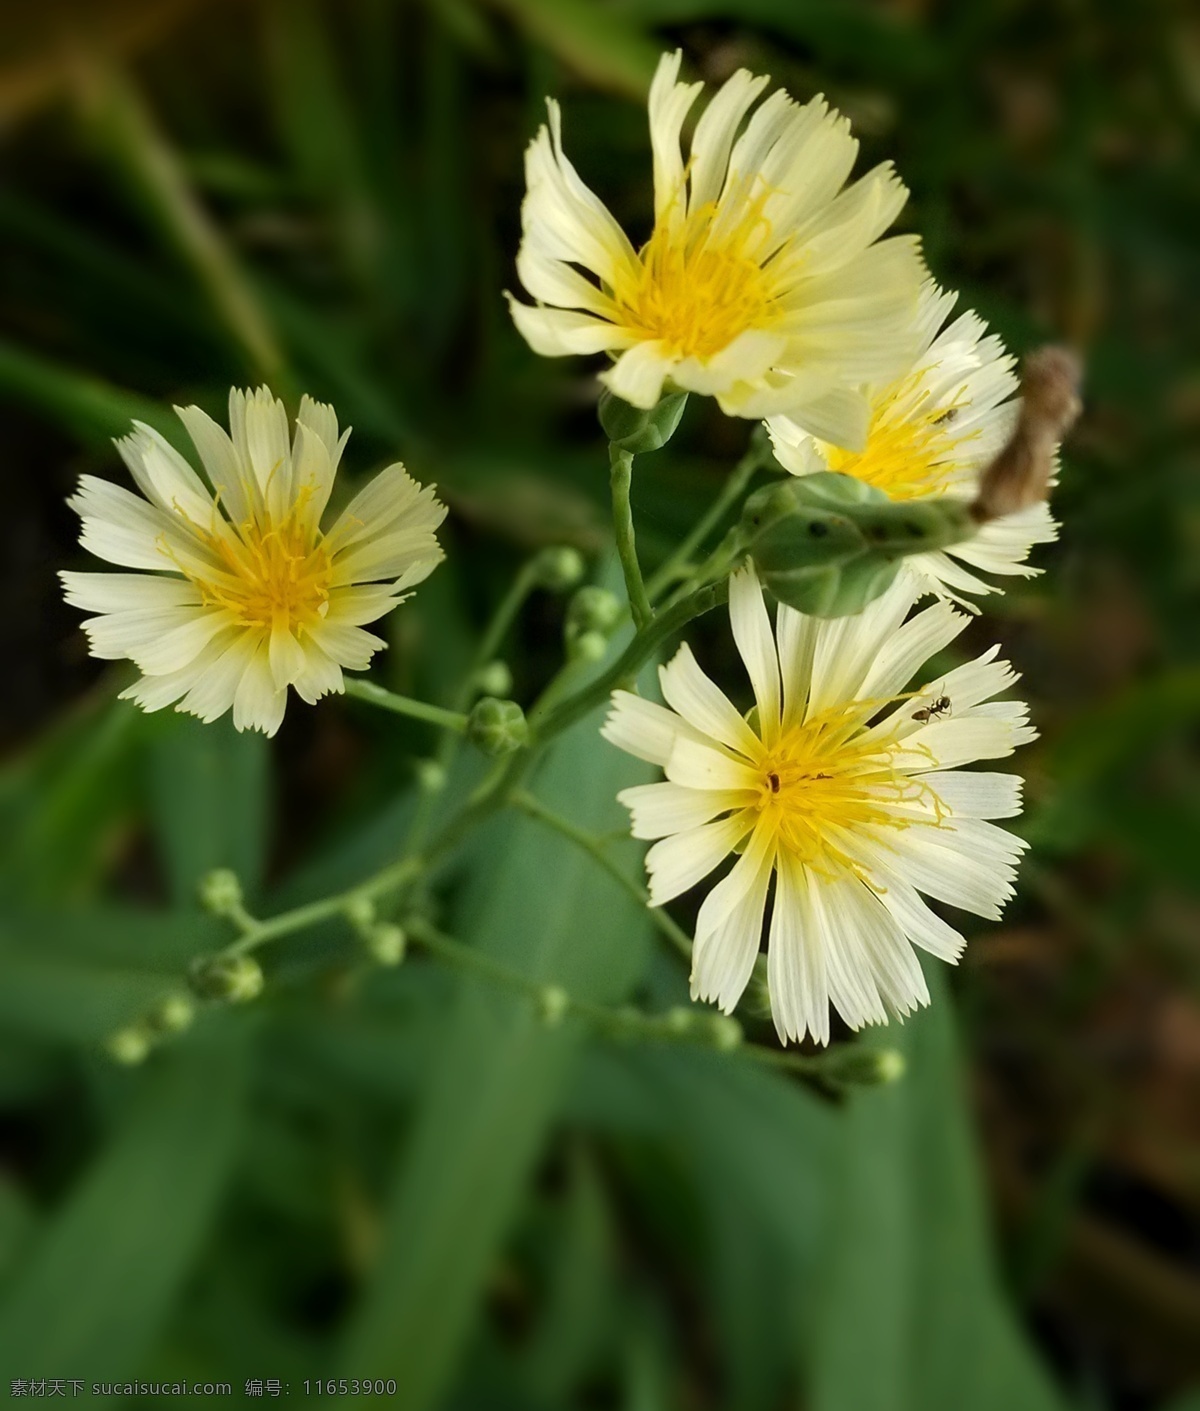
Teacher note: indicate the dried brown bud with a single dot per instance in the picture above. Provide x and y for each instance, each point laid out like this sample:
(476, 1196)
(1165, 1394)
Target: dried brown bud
(1020, 474)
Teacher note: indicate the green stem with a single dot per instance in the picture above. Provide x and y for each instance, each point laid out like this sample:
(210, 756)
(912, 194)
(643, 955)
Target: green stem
(404, 705)
(622, 477)
(692, 1026)
(735, 486)
(256, 933)
(594, 848)
(497, 629)
(625, 669)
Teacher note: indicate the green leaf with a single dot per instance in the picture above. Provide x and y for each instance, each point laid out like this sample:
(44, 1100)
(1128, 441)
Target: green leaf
(99, 1284)
(64, 805)
(209, 797)
(607, 48)
(93, 410)
(498, 1074)
(913, 1319)
(759, 1150)
(77, 976)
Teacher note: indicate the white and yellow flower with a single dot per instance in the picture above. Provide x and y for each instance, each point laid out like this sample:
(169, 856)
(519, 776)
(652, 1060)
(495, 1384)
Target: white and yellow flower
(843, 787)
(933, 431)
(764, 283)
(240, 593)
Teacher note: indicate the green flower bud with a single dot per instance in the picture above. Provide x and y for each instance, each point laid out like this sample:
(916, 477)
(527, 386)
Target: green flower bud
(386, 943)
(725, 1032)
(360, 912)
(680, 1020)
(235, 979)
(497, 727)
(637, 431)
(495, 679)
(558, 569)
(589, 646)
(592, 609)
(129, 1047)
(431, 777)
(553, 1002)
(221, 891)
(172, 1015)
(829, 544)
(863, 1066)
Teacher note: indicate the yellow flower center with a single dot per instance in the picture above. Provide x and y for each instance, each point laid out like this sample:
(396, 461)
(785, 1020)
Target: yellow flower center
(698, 289)
(910, 448)
(279, 574)
(822, 779)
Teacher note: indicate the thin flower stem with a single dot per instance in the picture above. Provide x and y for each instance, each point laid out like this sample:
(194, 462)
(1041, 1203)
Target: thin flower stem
(594, 848)
(497, 629)
(624, 670)
(524, 581)
(498, 787)
(453, 720)
(694, 1027)
(257, 932)
(622, 476)
(735, 486)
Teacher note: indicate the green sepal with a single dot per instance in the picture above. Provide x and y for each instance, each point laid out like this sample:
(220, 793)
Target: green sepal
(829, 544)
(636, 431)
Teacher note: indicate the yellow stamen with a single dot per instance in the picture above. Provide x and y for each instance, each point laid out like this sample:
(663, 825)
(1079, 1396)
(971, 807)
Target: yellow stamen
(823, 779)
(700, 287)
(910, 448)
(271, 574)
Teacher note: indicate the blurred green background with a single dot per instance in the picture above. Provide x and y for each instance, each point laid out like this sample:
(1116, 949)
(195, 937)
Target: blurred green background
(396, 1175)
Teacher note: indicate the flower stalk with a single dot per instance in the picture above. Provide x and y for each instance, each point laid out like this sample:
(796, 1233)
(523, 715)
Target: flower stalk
(622, 476)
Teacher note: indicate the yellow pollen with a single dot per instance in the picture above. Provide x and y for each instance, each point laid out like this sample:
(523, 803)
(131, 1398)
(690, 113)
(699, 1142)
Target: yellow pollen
(822, 780)
(909, 452)
(699, 289)
(272, 574)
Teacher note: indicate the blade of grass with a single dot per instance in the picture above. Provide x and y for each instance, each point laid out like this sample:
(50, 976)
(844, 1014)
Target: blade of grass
(497, 1077)
(98, 1286)
(121, 121)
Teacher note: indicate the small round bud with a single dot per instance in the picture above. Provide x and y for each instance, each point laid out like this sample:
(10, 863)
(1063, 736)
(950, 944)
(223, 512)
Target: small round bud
(128, 1047)
(891, 1065)
(360, 912)
(868, 1067)
(726, 1032)
(680, 1020)
(593, 609)
(635, 430)
(497, 727)
(495, 679)
(220, 891)
(173, 1015)
(386, 943)
(430, 776)
(559, 568)
(553, 1002)
(589, 646)
(236, 979)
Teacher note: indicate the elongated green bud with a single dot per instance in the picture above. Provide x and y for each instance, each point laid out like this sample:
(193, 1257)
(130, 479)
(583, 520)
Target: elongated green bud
(862, 1066)
(220, 891)
(829, 544)
(592, 616)
(637, 431)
